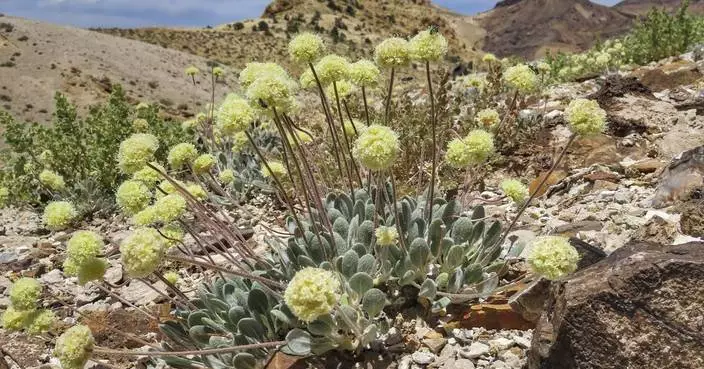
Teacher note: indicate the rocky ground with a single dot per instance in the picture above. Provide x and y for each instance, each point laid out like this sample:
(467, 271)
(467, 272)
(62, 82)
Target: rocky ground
(641, 181)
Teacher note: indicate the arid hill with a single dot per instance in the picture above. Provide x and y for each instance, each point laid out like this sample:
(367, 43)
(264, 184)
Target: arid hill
(641, 7)
(37, 59)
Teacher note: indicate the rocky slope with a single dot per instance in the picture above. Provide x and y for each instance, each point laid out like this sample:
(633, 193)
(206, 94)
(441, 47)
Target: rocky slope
(38, 59)
(641, 7)
(531, 27)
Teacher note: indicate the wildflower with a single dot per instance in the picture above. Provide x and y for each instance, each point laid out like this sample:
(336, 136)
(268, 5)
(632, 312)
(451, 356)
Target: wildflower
(133, 196)
(543, 67)
(40, 321)
(301, 137)
(377, 147)
(218, 72)
(311, 293)
(306, 48)
(142, 251)
(29, 167)
(189, 125)
(4, 196)
(227, 176)
(489, 58)
(170, 207)
(149, 176)
(73, 348)
(239, 142)
(364, 73)
(24, 293)
(84, 245)
(515, 190)
(172, 234)
(142, 106)
(182, 154)
(353, 128)
(474, 81)
(58, 215)
(521, 78)
(392, 52)
(457, 155)
(203, 163)
(386, 236)
(91, 270)
(603, 59)
(274, 90)
(344, 89)
(14, 319)
(428, 45)
(172, 277)
(277, 168)
(252, 71)
(192, 71)
(553, 257)
(146, 217)
(585, 117)
(332, 68)
(52, 181)
(487, 117)
(196, 191)
(307, 79)
(135, 151)
(480, 144)
(234, 115)
(140, 125)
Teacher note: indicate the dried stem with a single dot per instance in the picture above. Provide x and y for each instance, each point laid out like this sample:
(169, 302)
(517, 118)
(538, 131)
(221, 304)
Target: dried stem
(433, 174)
(122, 300)
(388, 98)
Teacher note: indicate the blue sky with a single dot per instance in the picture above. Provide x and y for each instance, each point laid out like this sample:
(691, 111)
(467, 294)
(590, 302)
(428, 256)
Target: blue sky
(136, 13)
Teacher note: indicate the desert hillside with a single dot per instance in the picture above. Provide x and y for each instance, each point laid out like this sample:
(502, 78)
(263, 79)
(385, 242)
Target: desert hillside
(37, 59)
(530, 27)
(641, 7)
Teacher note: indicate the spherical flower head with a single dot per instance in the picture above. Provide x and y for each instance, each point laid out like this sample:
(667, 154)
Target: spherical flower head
(227, 176)
(301, 137)
(521, 78)
(392, 52)
(133, 196)
(252, 71)
(386, 236)
(234, 115)
(52, 181)
(142, 251)
(277, 168)
(553, 257)
(84, 245)
(344, 89)
(603, 59)
(332, 68)
(543, 67)
(203, 164)
(488, 118)
(377, 147)
(182, 154)
(73, 348)
(29, 167)
(136, 151)
(457, 154)
(428, 45)
(91, 270)
(172, 277)
(196, 191)
(192, 71)
(14, 319)
(239, 142)
(4, 196)
(24, 293)
(170, 207)
(307, 79)
(515, 190)
(480, 144)
(147, 216)
(172, 234)
(218, 72)
(274, 90)
(353, 128)
(306, 48)
(40, 321)
(189, 125)
(148, 176)
(311, 293)
(585, 117)
(474, 81)
(140, 125)
(364, 73)
(489, 58)
(142, 106)
(58, 215)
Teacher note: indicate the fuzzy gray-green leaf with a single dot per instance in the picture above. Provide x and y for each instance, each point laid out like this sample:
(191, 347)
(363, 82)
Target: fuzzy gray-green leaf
(373, 302)
(360, 283)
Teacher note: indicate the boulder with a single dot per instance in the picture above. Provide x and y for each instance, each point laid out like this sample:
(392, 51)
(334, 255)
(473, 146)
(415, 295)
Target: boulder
(683, 175)
(641, 307)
